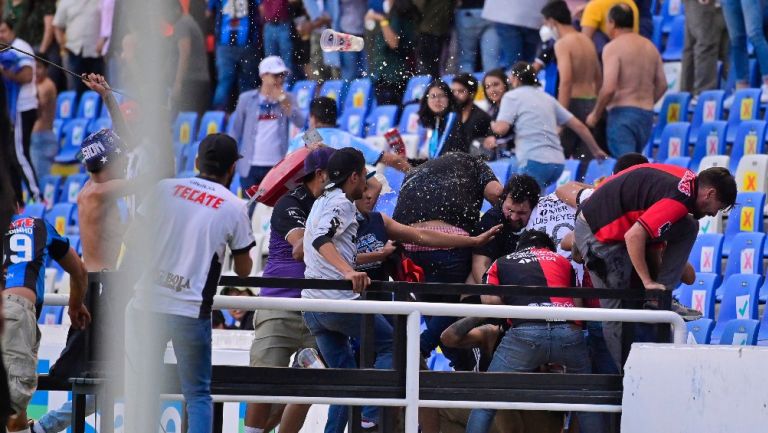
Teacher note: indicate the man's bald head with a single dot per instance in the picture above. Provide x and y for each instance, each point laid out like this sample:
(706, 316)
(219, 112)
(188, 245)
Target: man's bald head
(621, 16)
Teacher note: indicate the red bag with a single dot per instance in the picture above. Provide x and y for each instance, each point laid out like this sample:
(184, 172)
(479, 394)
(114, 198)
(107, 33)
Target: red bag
(283, 177)
(405, 269)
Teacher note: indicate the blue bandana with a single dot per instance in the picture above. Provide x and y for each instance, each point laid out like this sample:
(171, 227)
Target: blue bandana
(99, 149)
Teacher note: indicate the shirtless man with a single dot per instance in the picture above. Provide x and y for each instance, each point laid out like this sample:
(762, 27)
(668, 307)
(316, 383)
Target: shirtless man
(44, 145)
(633, 80)
(579, 70)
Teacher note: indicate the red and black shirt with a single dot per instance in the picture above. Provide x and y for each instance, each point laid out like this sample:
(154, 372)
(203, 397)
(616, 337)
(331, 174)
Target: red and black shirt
(654, 195)
(533, 267)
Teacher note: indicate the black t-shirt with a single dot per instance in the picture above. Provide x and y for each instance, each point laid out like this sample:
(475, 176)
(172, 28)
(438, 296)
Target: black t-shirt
(477, 126)
(371, 237)
(503, 244)
(449, 189)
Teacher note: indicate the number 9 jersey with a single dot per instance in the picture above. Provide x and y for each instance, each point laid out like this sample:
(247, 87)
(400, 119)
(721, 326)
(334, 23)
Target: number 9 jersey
(27, 246)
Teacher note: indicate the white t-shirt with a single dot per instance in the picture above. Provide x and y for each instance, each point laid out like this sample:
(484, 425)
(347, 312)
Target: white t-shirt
(191, 222)
(27, 92)
(534, 116)
(516, 12)
(267, 150)
(335, 217)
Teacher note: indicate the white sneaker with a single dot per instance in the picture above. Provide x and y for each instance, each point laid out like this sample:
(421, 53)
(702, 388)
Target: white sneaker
(764, 95)
(728, 102)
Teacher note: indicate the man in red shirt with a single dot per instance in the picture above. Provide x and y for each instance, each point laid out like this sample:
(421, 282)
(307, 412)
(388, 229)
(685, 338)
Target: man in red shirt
(643, 205)
(531, 343)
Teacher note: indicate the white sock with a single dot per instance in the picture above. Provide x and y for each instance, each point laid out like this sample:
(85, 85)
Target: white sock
(253, 430)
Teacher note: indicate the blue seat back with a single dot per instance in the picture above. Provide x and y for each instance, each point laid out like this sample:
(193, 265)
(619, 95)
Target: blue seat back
(597, 169)
(63, 217)
(746, 255)
(700, 331)
(90, 105)
(670, 10)
(386, 203)
(66, 105)
(415, 88)
(709, 141)
(74, 133)
(97, 125)
(189, 156)
(740, 301)
(674, 108)
(709, 108)
(185, 127)
(740, 332)
(34, 210)
(674, 50)
(746, 106)
(304, 92)
(105, 110)
(500, 168)
(680, 161)
(51, 315)
(701, 294)
(382, 119)
(409, 120)
(72, 187)
(674, 140)
(570, 171)
(50, 185)
(749, 140)
(746, 216)
(707, 253)
(358, 95)
(394, 178)
(74, 242)
(353, 121)
(333, 89)
(211, 123)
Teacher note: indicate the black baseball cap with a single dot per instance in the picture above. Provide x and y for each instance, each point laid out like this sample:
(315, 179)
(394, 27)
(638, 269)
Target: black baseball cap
(318, 159)
(342, 164)
(217, 153)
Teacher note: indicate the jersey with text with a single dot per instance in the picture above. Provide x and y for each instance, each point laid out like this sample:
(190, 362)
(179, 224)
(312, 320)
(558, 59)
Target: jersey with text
(654, 195)
(27, 246)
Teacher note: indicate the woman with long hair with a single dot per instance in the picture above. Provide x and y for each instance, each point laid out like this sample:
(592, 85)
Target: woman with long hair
(535, 117)
(495, 85)
(438, 114)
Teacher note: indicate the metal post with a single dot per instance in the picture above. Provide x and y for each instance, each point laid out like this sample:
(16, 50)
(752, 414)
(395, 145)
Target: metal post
(413, 355)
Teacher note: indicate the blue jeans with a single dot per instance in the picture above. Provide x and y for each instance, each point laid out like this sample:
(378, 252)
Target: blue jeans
(545, 173)
(744, 19)
(61, 418)
(472, 31)
(237, 70)
(332, 332)
(277, 42)
(627, 130)
(192, 346)
(517, 43)
(530, 345)
(42, 149)
(353, 63)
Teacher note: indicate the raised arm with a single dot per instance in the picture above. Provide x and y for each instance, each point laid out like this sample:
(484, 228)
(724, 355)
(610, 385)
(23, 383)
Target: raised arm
(99, 84)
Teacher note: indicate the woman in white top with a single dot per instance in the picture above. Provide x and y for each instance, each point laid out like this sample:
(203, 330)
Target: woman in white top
(535, 117)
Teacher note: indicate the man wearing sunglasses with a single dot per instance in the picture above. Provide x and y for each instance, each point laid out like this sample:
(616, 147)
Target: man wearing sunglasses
(260, 122)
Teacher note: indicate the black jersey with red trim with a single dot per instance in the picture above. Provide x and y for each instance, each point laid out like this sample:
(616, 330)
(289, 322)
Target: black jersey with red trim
(654, 195)
(533, 267)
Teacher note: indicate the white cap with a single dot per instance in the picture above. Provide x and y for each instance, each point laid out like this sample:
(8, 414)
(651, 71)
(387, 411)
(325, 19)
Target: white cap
(272, 65)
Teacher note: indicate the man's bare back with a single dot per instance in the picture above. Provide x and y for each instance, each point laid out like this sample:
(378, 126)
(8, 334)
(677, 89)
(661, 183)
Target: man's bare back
(577, 53)
(101, 229)
(46, 105)
(638, 69)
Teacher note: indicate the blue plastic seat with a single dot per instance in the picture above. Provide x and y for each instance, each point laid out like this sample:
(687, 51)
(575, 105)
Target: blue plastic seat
(741, 332)
(358, 95)
(409, 120)
(700, 331)
(670, 11)
(747, 257)
(74, 133)
(185, 127)
(570, 171)
(597, 169)
(710, 141)
(190, 153)
(74, 242)
(66, 105)
(707, 253)
(673, 52)
(749, 140)
(674, 140)
(304, 92)
(386, 203)
(674, 108)
(34, 210)
(701, 294)
(333, 89)
(105, 110)
(746, 216)
(415, 88)
(740, 301)
(709, 108)
(353, 121)
(500, 168)
(212, 122)
(394, 178)
(382, 119)
(71, 188)
(746, 106)
(58, 126)
(63, 217)
(90, 105)
(51, 315)
(656, 36)
(50, 185)
(762, 336)
(97, 125)
(680, 161)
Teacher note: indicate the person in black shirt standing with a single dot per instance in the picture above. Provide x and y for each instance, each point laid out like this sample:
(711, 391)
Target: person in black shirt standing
(475, 124)
(521, 195)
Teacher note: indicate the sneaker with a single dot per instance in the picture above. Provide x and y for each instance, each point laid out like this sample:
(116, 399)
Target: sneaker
(728, 102)
(764, 95)
(688, 314)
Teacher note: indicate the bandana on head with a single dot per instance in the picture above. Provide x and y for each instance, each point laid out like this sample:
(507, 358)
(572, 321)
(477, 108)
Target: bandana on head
(99, 149)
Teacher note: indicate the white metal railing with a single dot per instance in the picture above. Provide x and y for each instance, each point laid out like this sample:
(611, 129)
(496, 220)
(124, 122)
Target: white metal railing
(414, 310)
